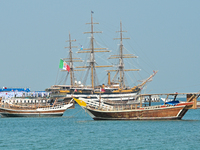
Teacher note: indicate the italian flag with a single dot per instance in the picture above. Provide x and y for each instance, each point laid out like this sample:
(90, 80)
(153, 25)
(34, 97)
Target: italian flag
(63, 65)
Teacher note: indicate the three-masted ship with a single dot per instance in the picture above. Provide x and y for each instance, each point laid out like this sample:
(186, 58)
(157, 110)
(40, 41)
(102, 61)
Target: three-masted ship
(113, 91)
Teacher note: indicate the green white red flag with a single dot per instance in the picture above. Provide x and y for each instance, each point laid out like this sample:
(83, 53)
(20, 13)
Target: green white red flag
(63, 65)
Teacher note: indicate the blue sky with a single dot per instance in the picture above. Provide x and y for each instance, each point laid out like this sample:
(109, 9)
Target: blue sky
(164, 34)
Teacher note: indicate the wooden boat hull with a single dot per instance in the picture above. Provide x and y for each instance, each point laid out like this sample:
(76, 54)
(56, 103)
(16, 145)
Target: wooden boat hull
(34, 113)
(101, 111)
(159, 112)
(40, 112)
(154, 114)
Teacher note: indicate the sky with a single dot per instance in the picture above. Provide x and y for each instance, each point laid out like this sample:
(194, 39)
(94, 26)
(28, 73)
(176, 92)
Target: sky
(163, 34)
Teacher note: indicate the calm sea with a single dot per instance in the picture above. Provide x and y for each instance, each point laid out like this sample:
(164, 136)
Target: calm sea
(76, 130)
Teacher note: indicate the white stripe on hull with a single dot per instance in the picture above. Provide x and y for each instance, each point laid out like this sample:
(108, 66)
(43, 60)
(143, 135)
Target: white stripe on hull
(116, 97)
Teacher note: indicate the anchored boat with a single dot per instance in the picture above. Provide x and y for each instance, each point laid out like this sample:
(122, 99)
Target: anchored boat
(25, 107)
(101, 111)
(115, 90)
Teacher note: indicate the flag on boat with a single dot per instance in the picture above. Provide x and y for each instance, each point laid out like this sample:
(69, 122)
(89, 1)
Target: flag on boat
(68, 68)
(63, 65)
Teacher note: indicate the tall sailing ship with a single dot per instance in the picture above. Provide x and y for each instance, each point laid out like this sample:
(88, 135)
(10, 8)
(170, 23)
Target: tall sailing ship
(113, 91)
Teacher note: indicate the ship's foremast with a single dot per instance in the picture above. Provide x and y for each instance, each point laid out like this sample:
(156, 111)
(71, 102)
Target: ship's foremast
(121, 56)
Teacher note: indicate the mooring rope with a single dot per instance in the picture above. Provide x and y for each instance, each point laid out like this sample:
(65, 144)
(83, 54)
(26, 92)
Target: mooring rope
(73, 114)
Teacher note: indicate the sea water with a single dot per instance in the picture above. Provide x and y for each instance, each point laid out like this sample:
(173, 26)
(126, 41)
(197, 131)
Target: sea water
(77, 130)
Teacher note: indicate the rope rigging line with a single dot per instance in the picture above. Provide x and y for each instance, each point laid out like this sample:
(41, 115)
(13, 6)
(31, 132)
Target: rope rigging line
(73, 115)
(57, 76)
(65, 81)
(61, 79)
(86, 76)
(95, 77)
(129, 62)
(134, 83)
(147, 58)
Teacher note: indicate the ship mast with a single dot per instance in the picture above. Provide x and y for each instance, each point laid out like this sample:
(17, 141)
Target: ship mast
(121, 69)
(92, 51)
(70, 60)
(121, 63)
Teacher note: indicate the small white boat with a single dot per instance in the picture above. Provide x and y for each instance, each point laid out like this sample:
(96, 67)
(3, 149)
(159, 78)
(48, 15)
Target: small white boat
(166, 100)
(33, 108)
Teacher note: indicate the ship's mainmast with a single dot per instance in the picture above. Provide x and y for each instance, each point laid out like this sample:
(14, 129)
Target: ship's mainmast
(92, 51)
